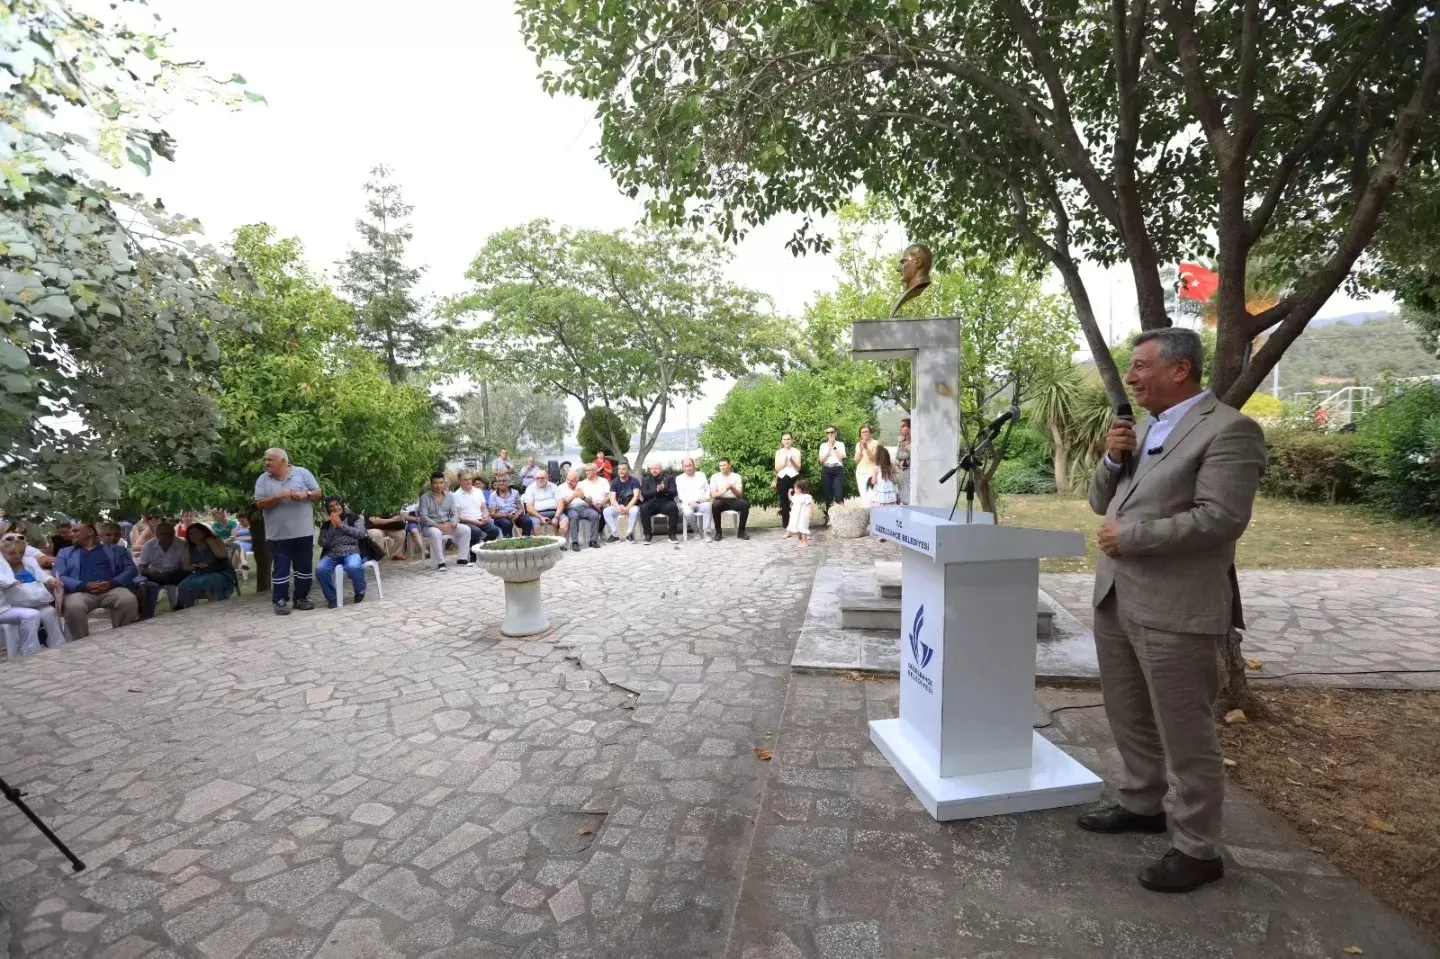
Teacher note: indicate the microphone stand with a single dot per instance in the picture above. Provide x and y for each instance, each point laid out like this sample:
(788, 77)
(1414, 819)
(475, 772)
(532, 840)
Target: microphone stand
(14, 795)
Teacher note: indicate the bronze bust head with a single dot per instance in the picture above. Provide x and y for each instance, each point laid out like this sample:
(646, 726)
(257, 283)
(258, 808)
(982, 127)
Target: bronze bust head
(914, 272)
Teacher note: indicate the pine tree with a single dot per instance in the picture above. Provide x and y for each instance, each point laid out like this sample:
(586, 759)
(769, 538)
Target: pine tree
(377, 281)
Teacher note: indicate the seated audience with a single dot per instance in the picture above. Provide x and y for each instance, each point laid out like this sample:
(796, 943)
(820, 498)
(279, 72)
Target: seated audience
(474, 512)
(624, 501)
(164, 561)
(95, 577)
(144, 531)
(657, 497)
(528, 474)
(340, 537)
(210, 572)
(241, 543)
(391, 532)
(506, 509)
(727, 493)
(542, 503)
(28, 596)
(186, 518)
(110, 534)
(692, 492)
(440, 517)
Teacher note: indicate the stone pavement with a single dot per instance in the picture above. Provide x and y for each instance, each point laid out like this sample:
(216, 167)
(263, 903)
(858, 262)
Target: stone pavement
(395, 779)
(1324, 621)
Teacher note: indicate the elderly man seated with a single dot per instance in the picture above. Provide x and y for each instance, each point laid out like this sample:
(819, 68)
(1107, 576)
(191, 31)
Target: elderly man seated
(692, 492)
(597, 496)
(27, 596)
(624, 501)
(575, 504)
(164, 561)
(96, 577)
(542, 505)
(474, 510)
(440, 517)
(657, 498)
(506, 509)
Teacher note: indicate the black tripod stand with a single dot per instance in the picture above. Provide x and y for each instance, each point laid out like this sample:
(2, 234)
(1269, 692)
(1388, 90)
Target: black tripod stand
(14, 795)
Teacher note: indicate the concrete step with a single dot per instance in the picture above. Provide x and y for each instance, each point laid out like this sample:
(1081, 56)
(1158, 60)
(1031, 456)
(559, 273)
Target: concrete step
(863, 607)
(887, 577)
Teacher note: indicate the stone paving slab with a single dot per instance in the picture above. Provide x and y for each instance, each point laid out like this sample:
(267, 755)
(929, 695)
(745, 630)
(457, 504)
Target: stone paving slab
(848, 865)
(397, 780)
(824, 646)
(1332, 621)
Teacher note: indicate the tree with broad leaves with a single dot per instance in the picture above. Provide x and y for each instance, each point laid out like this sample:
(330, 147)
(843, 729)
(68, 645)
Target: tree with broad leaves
(629, 321)
(375, 278)
(1122, 131)
(512, 416)
(107, 316)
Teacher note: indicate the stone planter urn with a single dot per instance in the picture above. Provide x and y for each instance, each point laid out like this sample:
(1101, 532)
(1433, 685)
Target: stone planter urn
(520, 563)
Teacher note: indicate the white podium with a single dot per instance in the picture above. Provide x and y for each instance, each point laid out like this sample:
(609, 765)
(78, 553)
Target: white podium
(964, 741)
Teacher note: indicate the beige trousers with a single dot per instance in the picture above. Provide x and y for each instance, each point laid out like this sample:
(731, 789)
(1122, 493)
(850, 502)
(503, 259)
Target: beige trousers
(1160, 689)
(123, 606)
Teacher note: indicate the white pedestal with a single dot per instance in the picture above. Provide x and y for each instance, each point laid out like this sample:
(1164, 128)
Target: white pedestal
(964, 741)
(524, 611)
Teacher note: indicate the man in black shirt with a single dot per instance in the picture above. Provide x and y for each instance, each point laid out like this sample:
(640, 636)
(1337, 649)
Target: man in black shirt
(624, 501)
(657, 495)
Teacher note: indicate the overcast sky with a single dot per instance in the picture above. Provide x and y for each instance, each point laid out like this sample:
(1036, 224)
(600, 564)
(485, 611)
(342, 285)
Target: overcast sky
(446, 93)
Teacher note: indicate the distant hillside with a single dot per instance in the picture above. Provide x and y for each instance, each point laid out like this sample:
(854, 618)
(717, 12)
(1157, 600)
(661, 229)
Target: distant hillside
(1359, 348)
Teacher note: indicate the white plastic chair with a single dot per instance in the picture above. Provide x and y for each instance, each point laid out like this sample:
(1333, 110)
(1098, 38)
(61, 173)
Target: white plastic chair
(371, 565)
(730, 512)
(686, 517)
(11, 634)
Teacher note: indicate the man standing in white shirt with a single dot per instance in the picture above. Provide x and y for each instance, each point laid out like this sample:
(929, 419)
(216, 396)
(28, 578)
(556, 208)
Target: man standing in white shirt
(692, 493)
(727, 494)
(832, 469)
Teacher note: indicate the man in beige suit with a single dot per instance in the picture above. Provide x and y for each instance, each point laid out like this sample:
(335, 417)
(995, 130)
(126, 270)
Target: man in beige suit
(1175, 502)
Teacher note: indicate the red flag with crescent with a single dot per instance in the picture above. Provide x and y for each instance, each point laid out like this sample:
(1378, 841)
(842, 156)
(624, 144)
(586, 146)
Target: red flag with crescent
(1198, 283)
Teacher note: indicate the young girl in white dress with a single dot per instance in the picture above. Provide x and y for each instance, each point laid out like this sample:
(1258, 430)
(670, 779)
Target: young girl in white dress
(801, 504)
(884, 490)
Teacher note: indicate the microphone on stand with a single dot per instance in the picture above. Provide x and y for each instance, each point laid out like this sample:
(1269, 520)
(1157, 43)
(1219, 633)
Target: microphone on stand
(1125, 413)
(984, 439)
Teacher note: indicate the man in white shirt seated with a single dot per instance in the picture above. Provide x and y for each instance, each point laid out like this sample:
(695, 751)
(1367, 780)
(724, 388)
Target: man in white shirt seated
(692, 493)
(727, 494)
(164, 561)
(575, 504)
(542, 504)
(597, 496)
(474, 510)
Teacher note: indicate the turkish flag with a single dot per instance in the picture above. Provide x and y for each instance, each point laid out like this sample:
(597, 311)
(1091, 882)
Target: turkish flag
(1198, 283)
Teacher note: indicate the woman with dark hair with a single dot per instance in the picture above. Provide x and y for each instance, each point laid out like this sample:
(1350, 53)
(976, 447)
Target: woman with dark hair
(210, 565)
(340, 536)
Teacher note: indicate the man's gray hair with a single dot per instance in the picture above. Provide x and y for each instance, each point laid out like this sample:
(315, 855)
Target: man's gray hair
(278, 452)
(574, 472)
(1176, 344)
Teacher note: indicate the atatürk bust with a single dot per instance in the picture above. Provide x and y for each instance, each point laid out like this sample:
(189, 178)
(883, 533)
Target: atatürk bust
(915, 272)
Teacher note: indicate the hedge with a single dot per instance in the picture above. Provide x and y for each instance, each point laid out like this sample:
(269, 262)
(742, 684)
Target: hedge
(1305, 465)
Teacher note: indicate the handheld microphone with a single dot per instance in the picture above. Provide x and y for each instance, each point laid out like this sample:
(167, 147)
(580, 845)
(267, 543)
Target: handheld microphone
(1124, 412)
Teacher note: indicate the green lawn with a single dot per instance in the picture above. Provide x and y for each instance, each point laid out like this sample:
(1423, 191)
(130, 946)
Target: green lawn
(1282, 535)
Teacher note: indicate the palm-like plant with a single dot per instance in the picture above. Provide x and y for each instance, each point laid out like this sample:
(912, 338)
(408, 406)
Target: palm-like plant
(1073, 411)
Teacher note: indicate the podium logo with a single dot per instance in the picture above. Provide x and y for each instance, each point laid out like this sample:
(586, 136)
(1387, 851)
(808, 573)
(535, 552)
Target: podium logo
(921, 652)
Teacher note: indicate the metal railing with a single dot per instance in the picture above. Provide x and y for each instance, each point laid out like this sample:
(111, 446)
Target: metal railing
(1341, 408)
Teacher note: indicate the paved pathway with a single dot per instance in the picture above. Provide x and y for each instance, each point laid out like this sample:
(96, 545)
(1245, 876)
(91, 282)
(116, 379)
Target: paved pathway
(1324, 621)
(396, 780)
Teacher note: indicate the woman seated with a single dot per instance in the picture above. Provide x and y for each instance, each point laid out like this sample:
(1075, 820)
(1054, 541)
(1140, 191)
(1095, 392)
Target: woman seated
(29, 596)
(240, 543)
(210, 565)
(340, 537)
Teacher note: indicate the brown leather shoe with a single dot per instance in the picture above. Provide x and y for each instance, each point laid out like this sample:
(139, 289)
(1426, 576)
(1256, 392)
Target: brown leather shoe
(1177, 872)
(1117, 819)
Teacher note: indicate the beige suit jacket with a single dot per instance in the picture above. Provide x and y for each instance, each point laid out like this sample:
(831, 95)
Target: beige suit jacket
(1180, 516)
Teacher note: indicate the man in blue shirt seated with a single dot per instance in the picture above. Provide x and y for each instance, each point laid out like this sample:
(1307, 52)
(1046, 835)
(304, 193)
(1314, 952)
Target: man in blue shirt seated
(506, 510)
(624, 501)
(95, 577)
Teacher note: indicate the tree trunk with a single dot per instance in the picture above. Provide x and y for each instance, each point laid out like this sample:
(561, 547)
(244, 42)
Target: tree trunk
(260, 552)
(1060, 456)
(1235, 691)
